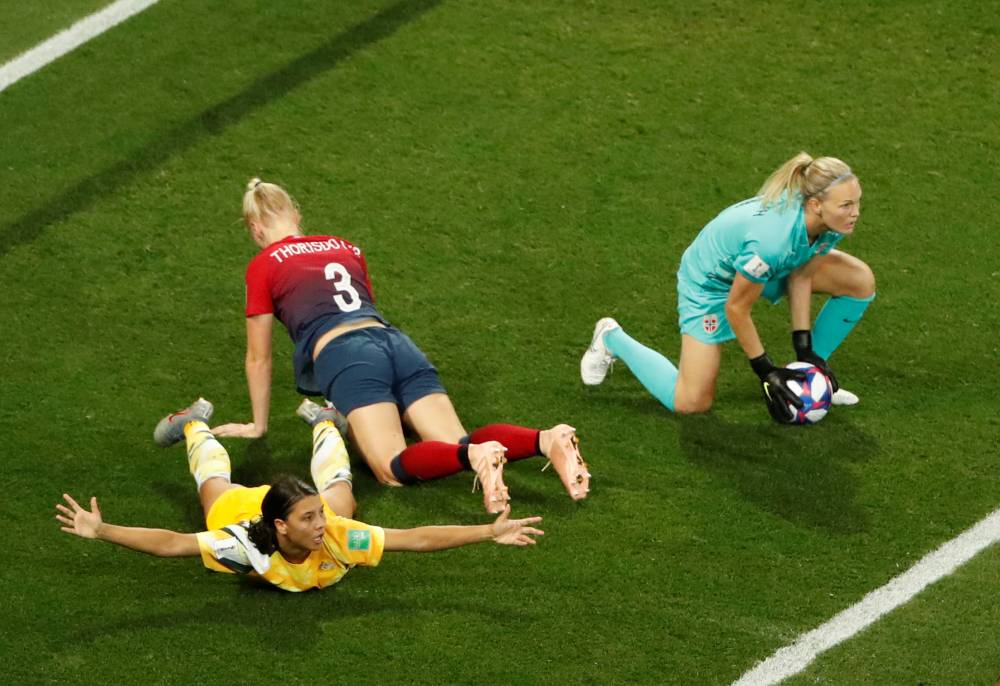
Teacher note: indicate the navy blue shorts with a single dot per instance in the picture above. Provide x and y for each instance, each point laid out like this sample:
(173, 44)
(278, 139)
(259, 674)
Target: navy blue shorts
(374, 365)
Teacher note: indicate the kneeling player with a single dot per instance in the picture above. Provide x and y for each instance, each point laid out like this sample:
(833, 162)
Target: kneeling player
(288, 533)
(780, 242)
(318, 287)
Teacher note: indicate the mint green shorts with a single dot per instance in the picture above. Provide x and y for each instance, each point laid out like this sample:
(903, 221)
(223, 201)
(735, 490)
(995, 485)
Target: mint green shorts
(703, 315)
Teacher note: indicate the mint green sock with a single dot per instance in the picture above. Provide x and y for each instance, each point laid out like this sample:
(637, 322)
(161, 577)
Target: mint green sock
(653, 370)
(838, 317)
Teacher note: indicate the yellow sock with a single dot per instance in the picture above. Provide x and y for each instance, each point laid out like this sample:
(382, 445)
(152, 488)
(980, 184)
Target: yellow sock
(206, 456)
(330, 463)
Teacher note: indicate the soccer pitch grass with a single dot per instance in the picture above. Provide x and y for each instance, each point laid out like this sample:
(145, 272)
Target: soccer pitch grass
(513, 171)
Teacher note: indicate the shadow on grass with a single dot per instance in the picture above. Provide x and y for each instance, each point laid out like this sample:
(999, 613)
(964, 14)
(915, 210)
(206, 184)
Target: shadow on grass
(267, 611)
(801, 474)
(212, 121)
(441, 501)
(185, 499)
(258, 465)
(450, 500)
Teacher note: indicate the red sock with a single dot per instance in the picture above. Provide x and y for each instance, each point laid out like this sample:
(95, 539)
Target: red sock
(429, 460)
(520, 441)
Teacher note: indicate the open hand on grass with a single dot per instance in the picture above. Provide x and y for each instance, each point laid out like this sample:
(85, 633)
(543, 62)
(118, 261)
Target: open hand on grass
(515, 531)
(235, 430)
(77, 520)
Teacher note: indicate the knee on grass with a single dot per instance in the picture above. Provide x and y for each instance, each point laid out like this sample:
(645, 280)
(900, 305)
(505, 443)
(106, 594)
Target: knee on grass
(385, 476)
(695, 405)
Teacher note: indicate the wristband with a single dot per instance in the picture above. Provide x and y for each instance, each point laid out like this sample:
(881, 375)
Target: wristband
(761, 365)
(802, 341)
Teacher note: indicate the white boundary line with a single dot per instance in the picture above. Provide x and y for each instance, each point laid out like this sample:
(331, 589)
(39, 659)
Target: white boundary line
(940, 563)
(63, 42)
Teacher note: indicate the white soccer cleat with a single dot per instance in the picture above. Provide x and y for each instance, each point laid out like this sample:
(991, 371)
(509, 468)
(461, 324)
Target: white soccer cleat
(844, 397)
(597, 360)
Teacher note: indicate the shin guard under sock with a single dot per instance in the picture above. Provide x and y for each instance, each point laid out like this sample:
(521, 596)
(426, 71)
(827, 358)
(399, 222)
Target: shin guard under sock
(520, 441)
(429, 460)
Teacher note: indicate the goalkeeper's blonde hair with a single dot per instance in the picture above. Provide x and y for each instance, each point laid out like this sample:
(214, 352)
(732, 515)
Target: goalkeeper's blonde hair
(263, 202)
(804, 176)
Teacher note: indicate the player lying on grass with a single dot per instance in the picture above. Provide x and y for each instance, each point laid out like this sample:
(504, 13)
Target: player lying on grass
(318, 287)
(779, 242)
(290, 534)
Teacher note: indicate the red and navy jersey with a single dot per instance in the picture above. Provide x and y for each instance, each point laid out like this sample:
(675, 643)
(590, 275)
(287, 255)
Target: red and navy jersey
(311, 284)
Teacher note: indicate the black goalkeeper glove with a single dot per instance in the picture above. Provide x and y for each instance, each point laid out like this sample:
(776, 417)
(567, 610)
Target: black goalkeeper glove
(773, 383)
(802, 341)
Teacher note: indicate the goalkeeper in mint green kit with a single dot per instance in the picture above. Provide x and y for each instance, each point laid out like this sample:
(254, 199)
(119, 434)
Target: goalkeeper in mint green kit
(778, 243)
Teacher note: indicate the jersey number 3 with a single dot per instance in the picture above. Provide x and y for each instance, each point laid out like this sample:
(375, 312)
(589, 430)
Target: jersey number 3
(347, 297)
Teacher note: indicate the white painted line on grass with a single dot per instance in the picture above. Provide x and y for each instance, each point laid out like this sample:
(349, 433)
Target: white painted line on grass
(63, 42)
(940, 563)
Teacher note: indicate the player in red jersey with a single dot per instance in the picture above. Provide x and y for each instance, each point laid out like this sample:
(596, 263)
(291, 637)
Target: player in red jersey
(318, 287)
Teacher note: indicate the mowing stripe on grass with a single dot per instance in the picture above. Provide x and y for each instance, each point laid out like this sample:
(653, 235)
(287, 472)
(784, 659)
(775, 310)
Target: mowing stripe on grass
(269, 87)
(940, 563)
(29, 62)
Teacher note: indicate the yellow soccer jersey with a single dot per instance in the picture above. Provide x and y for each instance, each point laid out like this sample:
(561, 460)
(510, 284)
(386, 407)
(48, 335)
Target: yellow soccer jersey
(227, 548)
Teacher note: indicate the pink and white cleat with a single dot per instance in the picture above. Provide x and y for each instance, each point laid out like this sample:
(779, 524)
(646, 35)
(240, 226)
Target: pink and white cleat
(487, 459)
(564, 454)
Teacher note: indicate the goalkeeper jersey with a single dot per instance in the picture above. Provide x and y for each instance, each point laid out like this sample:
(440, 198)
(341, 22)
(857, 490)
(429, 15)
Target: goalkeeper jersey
(226, 547)
(761, 243)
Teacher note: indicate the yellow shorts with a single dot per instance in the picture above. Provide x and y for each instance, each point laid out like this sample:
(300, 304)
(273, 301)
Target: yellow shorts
(238, 504)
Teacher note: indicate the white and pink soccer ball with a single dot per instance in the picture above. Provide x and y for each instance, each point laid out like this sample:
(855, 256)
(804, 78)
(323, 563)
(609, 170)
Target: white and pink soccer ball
(815, 393)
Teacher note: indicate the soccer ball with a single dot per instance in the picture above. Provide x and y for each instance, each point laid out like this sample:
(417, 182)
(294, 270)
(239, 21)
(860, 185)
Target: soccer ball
(815, 394)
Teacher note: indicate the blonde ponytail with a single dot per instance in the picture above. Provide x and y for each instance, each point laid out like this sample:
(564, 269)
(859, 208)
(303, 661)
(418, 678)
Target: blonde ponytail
(805, 177)
(264, 201)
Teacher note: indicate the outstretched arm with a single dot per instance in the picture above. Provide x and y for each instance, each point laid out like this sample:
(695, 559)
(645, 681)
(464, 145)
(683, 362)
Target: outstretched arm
(89, 524)
(425, 539)
(258, 367)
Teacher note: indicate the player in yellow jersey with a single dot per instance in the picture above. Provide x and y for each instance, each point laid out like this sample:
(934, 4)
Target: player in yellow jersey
(290, 534)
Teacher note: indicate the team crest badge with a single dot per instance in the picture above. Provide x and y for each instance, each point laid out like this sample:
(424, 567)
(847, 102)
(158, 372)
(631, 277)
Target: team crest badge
(710, 323)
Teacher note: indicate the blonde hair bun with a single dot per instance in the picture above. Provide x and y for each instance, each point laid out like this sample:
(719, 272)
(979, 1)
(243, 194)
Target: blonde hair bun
(263, 202)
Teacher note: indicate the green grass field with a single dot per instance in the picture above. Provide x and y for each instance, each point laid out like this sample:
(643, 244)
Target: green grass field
(514, 171)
